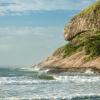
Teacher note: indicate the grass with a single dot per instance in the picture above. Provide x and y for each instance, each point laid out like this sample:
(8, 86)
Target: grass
(92, 46)
(66, 50)
(94, 8)
(88, 41)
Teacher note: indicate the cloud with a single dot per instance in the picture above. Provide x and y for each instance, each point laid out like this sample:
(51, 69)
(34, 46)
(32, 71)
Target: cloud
(28, 31)
(18, 37)
(28, 6)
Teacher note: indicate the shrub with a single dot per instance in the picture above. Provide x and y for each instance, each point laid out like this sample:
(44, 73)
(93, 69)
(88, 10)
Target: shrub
(92, 46)
(88, 41)
(66, 50)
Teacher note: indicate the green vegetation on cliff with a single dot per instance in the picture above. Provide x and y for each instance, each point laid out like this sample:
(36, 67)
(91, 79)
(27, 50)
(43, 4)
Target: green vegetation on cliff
(92, 9)
(87, 41)
(66, 50)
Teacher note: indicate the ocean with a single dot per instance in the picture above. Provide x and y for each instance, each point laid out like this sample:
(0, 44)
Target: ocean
(34, 84)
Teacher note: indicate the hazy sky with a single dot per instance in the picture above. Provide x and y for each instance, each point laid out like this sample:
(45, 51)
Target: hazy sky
(30, 30)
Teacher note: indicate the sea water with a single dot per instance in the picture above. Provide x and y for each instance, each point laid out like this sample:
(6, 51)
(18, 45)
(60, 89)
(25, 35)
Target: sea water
(34, 84)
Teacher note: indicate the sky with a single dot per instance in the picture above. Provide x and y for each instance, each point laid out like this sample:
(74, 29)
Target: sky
(31, 30)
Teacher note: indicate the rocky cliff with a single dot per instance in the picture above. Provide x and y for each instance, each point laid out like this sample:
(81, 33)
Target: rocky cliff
(83, 49)
(86, 20)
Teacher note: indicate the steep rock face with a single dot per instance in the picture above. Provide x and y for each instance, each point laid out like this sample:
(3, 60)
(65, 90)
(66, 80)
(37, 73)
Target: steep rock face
(88, 19)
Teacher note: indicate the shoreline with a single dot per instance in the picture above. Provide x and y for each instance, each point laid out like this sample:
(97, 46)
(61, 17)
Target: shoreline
(86, 70)
(74, 63)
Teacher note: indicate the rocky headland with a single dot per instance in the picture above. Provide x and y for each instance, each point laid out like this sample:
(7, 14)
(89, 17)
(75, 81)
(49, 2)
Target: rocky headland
(83, 49)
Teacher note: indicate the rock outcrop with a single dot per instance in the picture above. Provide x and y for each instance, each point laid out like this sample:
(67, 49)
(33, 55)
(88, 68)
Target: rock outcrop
(88, 19)
(73, 63)
(84, 49)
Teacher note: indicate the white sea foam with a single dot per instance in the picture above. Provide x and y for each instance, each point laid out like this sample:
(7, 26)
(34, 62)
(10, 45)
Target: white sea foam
(52, 97)
(83, 95)
(36, 68)
(25, 80)
(21, 81)
(89, 71)
(77, 78)
(65, 86)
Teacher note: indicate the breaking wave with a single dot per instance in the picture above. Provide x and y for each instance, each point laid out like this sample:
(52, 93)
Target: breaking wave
(36, 84)
(75, 97)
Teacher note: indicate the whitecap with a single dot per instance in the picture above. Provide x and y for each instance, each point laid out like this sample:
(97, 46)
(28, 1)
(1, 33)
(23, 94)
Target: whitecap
(21, 81)
(77, 78)
(89, 71)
